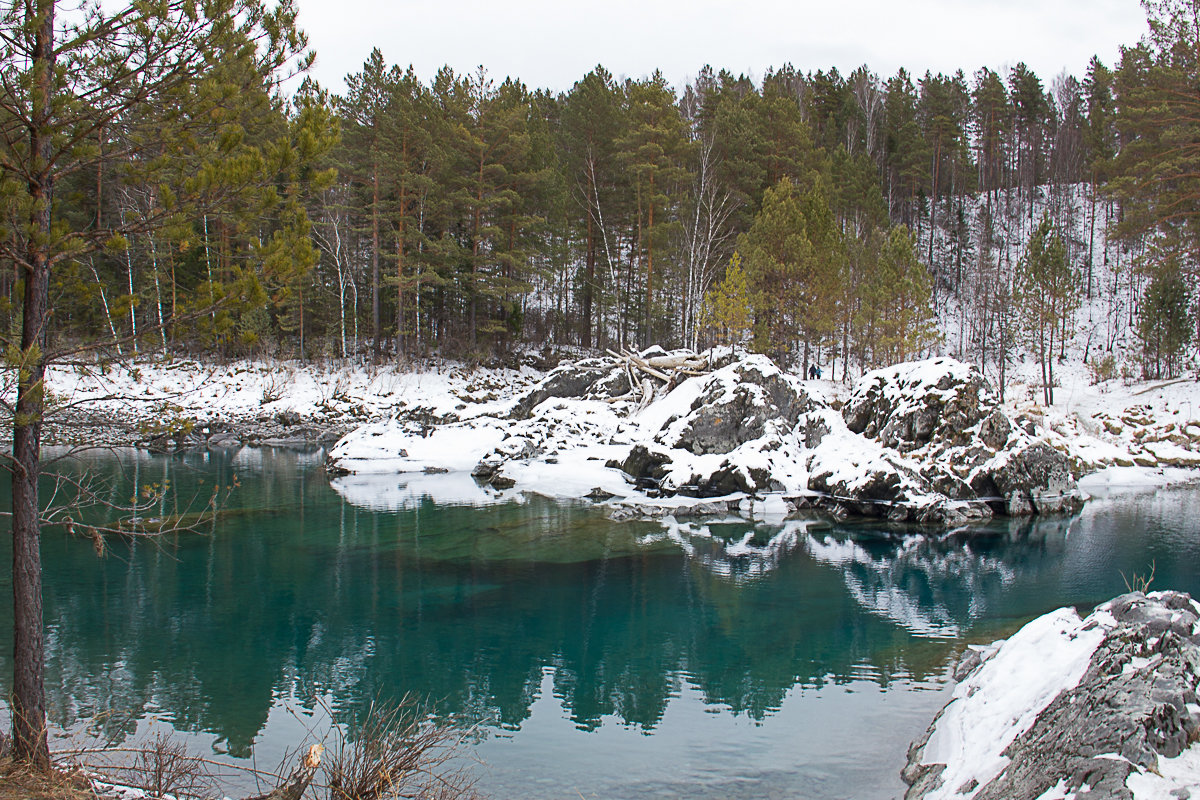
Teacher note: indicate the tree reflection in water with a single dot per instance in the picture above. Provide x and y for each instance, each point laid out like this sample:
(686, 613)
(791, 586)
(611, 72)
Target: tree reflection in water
(298, 593)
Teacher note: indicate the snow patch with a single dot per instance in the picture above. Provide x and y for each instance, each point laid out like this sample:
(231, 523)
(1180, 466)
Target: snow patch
(1000, 700)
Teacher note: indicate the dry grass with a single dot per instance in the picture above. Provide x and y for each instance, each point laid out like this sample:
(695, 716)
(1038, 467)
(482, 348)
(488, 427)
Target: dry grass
(393, 750)
(20, 783)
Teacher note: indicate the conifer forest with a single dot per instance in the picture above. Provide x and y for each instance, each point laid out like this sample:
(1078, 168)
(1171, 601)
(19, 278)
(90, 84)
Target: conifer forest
(817, 216)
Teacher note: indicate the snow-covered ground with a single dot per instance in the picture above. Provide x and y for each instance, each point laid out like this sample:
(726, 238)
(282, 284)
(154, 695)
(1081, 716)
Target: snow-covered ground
(1128, 436)
(313, 390)
(1122, 436)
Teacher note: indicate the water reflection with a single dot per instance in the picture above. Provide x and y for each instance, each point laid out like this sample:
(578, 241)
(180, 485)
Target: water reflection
(297, 593)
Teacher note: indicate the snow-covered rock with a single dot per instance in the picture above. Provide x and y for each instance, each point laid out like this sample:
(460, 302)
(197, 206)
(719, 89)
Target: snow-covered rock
(924, 441)
(928, 441)
(733, 430)
(1102, 707)
(904, 406)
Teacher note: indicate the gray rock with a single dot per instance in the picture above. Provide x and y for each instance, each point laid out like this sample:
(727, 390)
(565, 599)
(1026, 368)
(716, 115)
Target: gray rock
(720, 421)
(614, 384)
(1133, 700)
(644, 465)
(901, 420)
(995, 429)
(488, 466)
(1035, 479)
(287, 418)
(729, 479)
(570, 379)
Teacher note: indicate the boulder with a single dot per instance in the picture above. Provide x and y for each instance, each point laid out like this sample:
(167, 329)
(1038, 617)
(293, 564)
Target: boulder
(906, 405)
(995, 430)
(512, 448)
(1134, 704)
(729, 478)
(569, 379)
(737, 406)
(1035, 479)
(644, 465)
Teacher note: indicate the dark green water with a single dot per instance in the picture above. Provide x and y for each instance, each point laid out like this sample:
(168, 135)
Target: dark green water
(597, 659)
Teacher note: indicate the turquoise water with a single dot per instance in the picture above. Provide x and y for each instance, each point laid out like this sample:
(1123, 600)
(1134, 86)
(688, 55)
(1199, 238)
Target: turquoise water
(591, 658)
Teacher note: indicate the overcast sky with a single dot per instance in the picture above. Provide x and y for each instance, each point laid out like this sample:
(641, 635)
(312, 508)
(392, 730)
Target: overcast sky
(553, 43)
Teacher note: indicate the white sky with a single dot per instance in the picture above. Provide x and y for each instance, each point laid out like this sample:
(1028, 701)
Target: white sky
(553, 43)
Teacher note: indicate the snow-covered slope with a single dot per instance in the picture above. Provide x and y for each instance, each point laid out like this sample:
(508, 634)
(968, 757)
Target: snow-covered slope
(1098, 707)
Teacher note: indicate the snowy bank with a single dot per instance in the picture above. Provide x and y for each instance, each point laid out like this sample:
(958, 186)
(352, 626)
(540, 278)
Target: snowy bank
(1099, 707)
(924, 441)
(168, 404)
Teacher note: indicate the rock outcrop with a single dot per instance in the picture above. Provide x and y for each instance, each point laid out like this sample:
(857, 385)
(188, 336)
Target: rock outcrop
(922, 442)
(938, 448)
(571, 379)
(1127, 705)
(906, 406)
(730, 431)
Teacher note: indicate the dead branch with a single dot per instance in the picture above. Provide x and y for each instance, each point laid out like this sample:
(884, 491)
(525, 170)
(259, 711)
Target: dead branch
(295, 786)
(657, 366)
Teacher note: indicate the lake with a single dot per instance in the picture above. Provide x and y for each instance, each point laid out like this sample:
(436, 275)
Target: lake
(591, 658)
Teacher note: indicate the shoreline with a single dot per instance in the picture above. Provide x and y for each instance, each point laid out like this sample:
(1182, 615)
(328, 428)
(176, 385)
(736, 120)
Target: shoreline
(1117, 438)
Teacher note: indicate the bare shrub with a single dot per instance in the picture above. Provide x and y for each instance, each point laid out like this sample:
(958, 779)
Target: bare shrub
(395, 751)
(164, 767)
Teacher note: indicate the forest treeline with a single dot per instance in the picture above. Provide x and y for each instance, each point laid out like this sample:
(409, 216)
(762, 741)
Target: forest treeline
(817, 215)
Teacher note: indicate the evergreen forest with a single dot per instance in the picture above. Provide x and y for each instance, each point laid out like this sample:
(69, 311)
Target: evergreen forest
(816, 216)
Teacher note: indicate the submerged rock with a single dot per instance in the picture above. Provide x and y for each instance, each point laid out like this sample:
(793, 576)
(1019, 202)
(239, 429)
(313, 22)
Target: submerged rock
(1117, 695)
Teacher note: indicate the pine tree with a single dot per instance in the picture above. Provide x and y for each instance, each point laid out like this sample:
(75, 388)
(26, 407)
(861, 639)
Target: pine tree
(362, 110)
(727, 309)
(1165, 319)
(991, 121)
(653, 151)
(776, 252)
(1156, 174)
(907, 324)
(592, 122)
(64, 85)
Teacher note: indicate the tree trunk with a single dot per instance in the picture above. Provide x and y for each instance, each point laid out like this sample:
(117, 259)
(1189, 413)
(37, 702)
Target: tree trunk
(376, 331)
(400, 284)
(585, 338)
(30, 744)
(650, 266)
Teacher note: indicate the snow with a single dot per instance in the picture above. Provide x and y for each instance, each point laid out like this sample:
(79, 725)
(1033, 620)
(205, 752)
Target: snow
(906, 385)
(1175, 779)
(390, 492)
(1122, 436)
(1116, 481)
(389, 447)
(1058, 791)
(1000, 700)
(150, 386)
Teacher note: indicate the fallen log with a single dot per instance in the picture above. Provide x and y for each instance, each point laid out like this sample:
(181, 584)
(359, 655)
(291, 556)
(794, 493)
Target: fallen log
(682, 361)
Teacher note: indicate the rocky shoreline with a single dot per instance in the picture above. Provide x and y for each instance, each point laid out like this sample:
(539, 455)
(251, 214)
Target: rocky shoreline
(649, 434)
(101, 428)
(924, 442)
(1100, 707)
